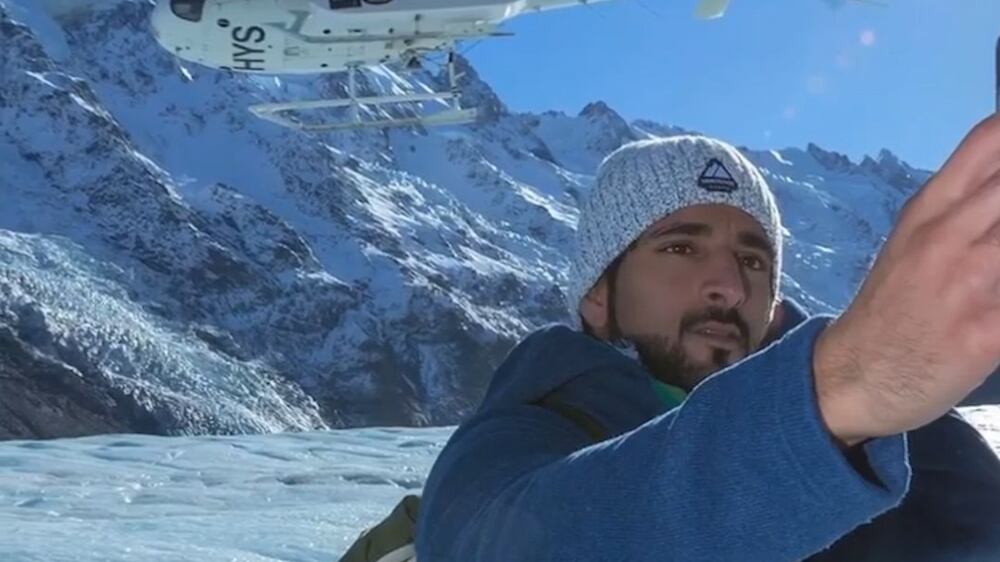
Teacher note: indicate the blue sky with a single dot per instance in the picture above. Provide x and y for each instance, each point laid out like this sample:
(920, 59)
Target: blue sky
(912, 76)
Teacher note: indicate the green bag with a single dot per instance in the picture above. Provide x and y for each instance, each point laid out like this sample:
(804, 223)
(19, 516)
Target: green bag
(392, 539)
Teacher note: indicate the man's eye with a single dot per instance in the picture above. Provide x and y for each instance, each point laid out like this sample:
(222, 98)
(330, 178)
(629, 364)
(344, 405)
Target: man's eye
(754, 263)
(678, 248)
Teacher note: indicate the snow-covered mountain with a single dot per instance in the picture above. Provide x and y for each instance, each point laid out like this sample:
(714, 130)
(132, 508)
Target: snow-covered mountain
(170, 264)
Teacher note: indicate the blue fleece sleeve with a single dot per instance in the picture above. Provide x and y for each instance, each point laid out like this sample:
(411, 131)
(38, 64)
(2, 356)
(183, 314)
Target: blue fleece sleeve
(743, 470)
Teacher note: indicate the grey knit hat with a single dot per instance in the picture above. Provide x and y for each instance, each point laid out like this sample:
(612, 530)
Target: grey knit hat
(644, 181)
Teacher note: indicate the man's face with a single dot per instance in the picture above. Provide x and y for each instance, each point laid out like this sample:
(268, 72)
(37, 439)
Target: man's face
(693, 293)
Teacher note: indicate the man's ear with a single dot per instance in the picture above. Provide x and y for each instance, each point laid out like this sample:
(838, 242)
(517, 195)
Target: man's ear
(594, 307)
(777, 322)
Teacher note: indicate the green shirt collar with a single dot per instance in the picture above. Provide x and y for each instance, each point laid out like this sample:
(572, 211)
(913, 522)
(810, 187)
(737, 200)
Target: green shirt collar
(671, 396)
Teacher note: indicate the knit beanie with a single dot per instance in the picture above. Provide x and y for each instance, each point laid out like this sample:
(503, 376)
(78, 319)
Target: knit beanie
(644, 181)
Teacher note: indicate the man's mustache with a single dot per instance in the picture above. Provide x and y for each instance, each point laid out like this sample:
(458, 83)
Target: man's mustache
(720, 315)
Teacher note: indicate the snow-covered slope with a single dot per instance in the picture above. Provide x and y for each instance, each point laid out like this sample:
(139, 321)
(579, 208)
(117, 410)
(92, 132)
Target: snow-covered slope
(301, 497)
(289, 497)
(176, 266)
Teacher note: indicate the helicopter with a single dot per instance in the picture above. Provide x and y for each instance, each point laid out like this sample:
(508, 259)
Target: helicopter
(327, 36)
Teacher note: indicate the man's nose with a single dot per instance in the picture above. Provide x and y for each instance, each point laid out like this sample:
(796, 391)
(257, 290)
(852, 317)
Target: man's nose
(725, 285)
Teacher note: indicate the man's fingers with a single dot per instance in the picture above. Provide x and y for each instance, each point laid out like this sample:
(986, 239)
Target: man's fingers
(976, 159)
(973, 220)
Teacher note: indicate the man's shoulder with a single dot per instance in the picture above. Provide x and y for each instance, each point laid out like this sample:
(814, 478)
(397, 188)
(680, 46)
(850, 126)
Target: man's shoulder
(544, 360)
(556, 332)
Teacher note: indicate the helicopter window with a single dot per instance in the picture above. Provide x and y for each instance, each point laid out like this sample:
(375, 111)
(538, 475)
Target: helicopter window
(190, 10)
(342, 4)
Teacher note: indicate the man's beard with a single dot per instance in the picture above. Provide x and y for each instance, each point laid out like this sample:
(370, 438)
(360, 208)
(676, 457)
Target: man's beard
(669, 362)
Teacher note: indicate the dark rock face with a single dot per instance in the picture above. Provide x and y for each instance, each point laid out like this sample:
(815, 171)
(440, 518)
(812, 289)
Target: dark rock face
(42, 398)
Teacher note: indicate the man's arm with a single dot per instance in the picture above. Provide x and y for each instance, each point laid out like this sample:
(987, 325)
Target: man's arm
(743, 470)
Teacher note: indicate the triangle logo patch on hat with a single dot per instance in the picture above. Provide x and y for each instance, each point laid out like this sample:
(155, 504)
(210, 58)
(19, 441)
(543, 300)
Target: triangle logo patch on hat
(717, 178)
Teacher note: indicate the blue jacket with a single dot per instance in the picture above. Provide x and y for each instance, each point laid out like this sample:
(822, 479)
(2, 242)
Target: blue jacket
(950, 514)
(742, 470)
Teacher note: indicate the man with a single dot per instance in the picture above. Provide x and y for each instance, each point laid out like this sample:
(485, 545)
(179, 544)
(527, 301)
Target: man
(696, 416)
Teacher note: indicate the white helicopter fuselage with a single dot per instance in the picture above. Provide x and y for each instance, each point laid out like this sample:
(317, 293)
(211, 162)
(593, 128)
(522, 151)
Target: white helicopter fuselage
(315, 36)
